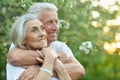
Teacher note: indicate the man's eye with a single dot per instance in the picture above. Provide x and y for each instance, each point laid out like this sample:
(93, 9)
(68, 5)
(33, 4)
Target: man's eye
(50, 22)
(56, 21)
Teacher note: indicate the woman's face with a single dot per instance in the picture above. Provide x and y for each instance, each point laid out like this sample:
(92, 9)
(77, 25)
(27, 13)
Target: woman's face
(35, 37)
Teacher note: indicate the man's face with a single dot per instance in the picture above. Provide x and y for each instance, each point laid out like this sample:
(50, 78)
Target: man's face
(50, 22)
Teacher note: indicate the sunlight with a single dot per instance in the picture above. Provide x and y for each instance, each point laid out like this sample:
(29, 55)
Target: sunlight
(117, 22)
(114, 8)
(82, 1)
(107, 3)
(95, 14)
(114, 46)
(114, 22)
(109, 22)
(117, 37)
(118, 45)
(110, 47)
(119, 52)
(111, 7)
(95, 3)
(118, 1)
(106, 29)
(94, 23)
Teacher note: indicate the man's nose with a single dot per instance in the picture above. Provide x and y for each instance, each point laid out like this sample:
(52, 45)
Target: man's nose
(55, 26)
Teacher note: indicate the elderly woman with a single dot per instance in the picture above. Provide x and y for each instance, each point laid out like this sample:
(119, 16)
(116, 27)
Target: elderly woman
(28, 33)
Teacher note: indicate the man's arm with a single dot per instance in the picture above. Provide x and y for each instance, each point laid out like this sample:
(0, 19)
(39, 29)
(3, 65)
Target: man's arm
(19, 57)
(72, 65)
(62, 73)
(75, 69)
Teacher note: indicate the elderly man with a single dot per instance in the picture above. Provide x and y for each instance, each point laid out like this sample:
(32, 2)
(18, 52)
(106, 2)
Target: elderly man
(47, 13)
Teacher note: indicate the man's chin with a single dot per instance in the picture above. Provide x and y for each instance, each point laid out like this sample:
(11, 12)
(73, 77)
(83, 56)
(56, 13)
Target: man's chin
(52, 40)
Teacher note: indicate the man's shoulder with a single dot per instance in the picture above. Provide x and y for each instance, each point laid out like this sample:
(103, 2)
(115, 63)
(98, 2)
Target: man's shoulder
(57, 44)
(60, 46)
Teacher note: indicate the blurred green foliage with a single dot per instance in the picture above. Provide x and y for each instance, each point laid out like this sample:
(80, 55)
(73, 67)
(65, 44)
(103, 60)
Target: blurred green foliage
(76, 28)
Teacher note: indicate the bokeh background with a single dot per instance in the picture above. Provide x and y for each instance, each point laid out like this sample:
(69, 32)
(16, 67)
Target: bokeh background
(91, 28)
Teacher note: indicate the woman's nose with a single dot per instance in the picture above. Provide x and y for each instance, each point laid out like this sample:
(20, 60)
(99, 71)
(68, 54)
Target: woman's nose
(42, 33)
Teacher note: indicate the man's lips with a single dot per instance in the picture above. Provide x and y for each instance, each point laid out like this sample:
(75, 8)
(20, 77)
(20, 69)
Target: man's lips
(53, 34)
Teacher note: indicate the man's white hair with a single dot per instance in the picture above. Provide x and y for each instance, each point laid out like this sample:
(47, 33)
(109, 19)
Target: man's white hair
(37, 8)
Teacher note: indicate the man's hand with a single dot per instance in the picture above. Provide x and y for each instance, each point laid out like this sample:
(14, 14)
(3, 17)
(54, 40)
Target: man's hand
(72, 65)
(30, 73)
(64, 58)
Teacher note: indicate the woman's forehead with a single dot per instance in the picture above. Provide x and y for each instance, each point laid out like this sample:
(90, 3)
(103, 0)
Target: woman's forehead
(34, 22)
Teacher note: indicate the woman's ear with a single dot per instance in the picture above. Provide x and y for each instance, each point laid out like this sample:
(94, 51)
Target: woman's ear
(23, 43)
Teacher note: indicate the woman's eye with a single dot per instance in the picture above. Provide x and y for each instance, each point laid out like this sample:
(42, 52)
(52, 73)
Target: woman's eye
(33, 30)
(42, 27)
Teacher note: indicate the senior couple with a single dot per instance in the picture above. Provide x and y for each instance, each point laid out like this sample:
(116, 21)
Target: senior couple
(35, 53)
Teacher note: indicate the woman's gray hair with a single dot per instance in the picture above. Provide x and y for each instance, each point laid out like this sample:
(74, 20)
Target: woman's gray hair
(18, 30)
(37, 8)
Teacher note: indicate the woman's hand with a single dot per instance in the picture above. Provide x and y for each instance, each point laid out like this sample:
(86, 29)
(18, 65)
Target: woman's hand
(46, 70)
(49, 53)
(40, 59)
